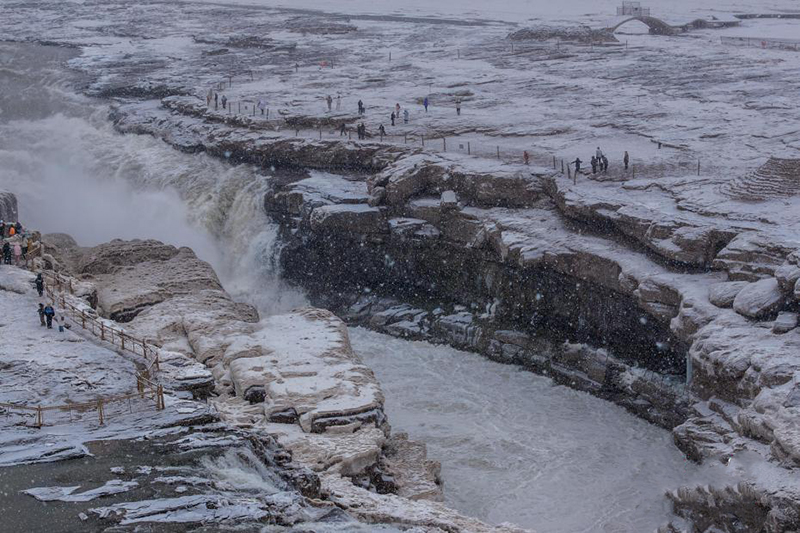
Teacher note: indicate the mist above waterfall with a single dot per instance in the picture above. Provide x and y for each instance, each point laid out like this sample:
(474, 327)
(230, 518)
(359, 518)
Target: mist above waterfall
(72, 173)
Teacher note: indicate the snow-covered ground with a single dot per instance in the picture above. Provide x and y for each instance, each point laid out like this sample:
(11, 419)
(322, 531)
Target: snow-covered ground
(518, 11)
(45, 367)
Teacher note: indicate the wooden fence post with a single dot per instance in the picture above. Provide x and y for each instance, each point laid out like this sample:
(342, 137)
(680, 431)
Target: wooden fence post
(100, 411)
(122, 341)
(444, 143)
(469, 149)
(554, 162)
(39, 417)
(423, 139)
(562, 166)
(102, 332)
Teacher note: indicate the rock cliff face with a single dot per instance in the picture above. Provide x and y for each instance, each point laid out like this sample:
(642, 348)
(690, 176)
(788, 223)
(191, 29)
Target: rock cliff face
(292, 377)
(626, 290)
(601, 295)
(8, 207)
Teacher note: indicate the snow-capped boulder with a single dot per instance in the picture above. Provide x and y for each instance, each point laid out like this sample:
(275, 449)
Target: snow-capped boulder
(785, 322)
(723, 294)
(759, 299)
(360, 218)
(787, 275)
(449, 200)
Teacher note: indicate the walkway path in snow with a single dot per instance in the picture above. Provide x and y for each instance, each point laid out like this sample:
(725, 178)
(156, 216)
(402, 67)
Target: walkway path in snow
(46, 367)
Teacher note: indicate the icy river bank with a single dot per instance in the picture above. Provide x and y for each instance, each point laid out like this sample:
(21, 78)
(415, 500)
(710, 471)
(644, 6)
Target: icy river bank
(513, 447)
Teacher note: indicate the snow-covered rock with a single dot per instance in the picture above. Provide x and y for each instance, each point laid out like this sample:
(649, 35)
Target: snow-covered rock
(785, 322)
(759, 299)
(8, 207)
(723, 294)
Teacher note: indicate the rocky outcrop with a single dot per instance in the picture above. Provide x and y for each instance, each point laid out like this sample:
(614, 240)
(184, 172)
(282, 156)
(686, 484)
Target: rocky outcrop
(293, 376)
(8, 207)
(581, 304)
(760, 299)
(724, 294)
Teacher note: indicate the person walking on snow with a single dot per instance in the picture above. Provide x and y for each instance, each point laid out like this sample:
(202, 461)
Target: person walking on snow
(338, 102)
(397, 110)
(216, 100)
(599, 153)
(41, 315)
(330, 103)
(7, 253)
(425, 103)
(405, 116)
(382, 130)
(39, 284)
(49, 313)
(577, 164)
(626, 160)
(17, 253)
(392, 117)
(604, 162)
(360, 107)
(526, 158)
(594, 165)
(224, 101)
(343, 130)
(458, 106)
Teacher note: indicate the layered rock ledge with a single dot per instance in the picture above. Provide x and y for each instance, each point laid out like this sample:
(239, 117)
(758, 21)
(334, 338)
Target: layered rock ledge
(292, 377)
(626, 289)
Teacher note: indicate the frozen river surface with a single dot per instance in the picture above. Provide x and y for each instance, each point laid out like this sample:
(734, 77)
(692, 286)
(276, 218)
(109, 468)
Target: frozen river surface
(516, 448)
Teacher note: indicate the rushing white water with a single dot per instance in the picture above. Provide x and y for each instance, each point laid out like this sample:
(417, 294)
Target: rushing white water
(72, 173)
(515, 447)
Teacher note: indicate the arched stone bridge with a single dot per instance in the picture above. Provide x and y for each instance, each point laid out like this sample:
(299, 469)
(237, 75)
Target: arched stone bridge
(657, 26)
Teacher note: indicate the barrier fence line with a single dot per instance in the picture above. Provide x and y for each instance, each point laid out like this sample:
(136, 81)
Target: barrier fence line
(97, 327)
(454, 144)
(145, 387)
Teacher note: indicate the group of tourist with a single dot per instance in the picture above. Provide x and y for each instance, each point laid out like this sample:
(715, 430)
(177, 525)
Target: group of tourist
(599, 162)
(16, 243)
